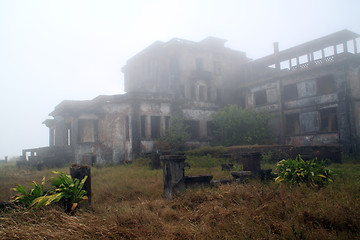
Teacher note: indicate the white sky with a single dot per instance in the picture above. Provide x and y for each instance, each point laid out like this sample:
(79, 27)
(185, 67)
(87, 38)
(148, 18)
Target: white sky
(56, 50)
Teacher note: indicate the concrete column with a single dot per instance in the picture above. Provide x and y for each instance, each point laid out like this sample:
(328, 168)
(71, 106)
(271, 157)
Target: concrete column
(148, 126)
(345, 46)
(162, 125)
(80, 172)
(51, 136)
(251, 162)
(203, 129)
(174, 174)
(323, 55)
(355, 47)
(74, 131)
(335, 50)
(276, 53)
(60, 132)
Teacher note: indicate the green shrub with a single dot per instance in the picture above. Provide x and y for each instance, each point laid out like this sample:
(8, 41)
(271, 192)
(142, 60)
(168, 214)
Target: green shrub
(26, 197)
(310, 173)
(236, 126)
(65, 188)
(266, 157)
(217, 151)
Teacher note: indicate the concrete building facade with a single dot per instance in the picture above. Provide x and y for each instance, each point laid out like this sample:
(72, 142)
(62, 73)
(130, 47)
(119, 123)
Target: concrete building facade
(312, 90)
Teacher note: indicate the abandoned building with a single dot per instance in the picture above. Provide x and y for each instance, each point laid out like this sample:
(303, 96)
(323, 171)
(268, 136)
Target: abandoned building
(312, 90)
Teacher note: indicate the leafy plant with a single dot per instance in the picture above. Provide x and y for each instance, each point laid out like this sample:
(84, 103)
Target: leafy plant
(217, 151)
(65, 188)
(26, 197)
(297, 171)
(266, 157)
(236, 126)
(177, 134)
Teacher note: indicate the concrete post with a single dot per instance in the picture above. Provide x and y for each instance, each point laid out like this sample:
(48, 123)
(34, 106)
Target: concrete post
(251, 162)
(80, 172)
(173, 171)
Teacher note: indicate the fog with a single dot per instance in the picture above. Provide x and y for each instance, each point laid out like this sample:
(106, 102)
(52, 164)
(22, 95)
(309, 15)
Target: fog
(56, 50)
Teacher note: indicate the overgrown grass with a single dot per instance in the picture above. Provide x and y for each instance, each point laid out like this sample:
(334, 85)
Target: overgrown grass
(128, 204)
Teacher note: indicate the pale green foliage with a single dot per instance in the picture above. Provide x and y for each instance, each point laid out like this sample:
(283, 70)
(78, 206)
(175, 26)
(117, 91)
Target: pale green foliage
(65, 187)
(27, 197)
(216, 151)
(177, 134)
(237, 126)
(310, 173)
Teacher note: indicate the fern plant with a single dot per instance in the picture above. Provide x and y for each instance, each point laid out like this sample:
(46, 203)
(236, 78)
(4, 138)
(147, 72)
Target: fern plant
(26, 197)
(66, 188)
(297, 171)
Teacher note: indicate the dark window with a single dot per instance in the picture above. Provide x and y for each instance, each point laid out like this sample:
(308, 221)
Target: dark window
(325, 85)
(218, 94)
(155, 126)
(290, 92)
(309, 122)
(202, 93)
(328, 120)
(182, 91)
(143, 121)
(210, 127)
(260, 97)
(127, 135)
(174, 64)
(217, 67)
(199, 64)
(193, 127)
(209, 94)
(193, 92)
(292, 124)
(88, 130)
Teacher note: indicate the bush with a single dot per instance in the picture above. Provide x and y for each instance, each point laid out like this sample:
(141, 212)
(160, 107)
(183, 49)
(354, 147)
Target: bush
(218, 151)
(177, 134)
(65, 188)
(237, 126)
(26, 197)
(310, 173)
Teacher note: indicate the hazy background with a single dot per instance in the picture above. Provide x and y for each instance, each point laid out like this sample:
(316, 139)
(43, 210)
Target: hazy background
(56, 50)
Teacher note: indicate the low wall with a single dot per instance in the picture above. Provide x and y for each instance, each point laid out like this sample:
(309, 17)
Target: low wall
(279, 152)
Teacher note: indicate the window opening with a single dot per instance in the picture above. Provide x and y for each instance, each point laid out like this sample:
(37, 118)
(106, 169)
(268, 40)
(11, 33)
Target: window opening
(155, 126)
(260, 97)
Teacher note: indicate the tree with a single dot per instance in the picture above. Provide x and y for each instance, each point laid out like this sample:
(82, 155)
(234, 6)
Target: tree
(237, 126)
(177, 134)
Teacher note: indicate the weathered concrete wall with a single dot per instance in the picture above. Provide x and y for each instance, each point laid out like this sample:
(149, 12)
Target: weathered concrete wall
(279, 152)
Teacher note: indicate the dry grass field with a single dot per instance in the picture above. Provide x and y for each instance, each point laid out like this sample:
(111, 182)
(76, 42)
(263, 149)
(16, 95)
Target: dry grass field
(128, 204)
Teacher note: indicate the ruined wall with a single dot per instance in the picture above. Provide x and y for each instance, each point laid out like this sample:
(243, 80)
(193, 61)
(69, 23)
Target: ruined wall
(310, 107)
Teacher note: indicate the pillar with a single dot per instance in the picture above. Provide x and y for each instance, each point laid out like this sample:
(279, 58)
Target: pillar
(80, 172)
(251, 162)
(355, 47)
(148, 126)
(174, 174)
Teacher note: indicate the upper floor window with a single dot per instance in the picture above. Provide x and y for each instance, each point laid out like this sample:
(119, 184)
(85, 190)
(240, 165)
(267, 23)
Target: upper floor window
(199, 64)
(217, 67)
(260, 97)
(325, 85)
(88, 130)
(290, 92)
